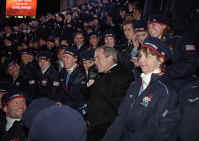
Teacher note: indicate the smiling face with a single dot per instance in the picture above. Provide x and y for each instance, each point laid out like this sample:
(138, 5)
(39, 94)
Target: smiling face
(149, 61)
(15, 108)
(156, 29)
(69, 60)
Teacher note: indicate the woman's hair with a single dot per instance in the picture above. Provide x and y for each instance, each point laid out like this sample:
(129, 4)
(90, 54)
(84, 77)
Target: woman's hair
(147, 52)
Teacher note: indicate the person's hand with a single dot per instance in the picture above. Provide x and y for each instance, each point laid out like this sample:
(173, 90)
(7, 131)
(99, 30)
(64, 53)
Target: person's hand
(135, 43)
(134, 60)
(90, 82)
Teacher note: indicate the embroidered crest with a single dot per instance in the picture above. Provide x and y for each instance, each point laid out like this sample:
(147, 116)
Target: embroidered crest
(146, 100)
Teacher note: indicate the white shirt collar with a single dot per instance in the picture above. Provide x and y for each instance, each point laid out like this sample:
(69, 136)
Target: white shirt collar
(10, 122)
(146, 78)
(112, 66)
(44, 71)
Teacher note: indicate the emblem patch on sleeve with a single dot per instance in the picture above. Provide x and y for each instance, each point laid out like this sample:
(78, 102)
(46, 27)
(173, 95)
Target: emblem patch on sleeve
(146, 100)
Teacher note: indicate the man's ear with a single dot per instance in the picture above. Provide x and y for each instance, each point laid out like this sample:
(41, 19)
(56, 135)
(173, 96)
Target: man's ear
(164, 26)
(161, 60)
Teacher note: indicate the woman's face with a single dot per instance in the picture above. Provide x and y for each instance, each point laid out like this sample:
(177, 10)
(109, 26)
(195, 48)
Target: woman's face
(156, 29)
(148, 63)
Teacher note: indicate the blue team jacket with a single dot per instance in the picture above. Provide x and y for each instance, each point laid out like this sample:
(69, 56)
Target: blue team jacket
(151, 116)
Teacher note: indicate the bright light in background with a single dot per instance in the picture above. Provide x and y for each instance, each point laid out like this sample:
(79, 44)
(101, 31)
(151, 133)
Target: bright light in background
(21, 7)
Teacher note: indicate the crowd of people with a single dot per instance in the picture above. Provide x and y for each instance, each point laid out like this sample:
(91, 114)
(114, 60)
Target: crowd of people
(101, 71)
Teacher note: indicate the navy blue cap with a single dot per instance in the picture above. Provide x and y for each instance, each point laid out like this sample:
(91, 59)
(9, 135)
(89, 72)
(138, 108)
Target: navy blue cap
(28, 51)
(4, 86)
(11, 95)
(87, 55)
(158, 46)
(92, 34)
(158, 18)
(44, 55)
(34, 108)
(62, 16)
(71, 51)
(51, 38)
(58, 123)
(140, 26)
(109, 33)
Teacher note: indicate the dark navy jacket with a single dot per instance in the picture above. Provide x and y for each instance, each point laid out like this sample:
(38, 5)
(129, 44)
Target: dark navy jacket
(152, 116)
(70, 94)
(183, 59)
(47, 83)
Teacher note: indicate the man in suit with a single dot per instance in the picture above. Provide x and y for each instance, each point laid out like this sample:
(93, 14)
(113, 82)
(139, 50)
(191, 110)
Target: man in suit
(106, 93)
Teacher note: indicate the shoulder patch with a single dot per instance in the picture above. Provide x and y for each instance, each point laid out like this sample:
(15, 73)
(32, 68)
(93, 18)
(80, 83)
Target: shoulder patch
(190, 47)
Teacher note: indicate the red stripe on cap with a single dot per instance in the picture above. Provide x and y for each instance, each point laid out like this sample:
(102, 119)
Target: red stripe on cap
(106, 36)
(13, 99)
(69, 53)
(147, 46)
(140, 30)
(160, 73)
(2, 93)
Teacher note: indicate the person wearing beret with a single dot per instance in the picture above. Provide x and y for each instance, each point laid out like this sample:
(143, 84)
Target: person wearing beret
(79, 42)
(58, 63)
(13, 106)
(87, 60)
(29, 71)
(15, 77)
(106, 93)
(149, 112)
(110, 39)
(57, 123)
(141, 34)
(51, 43)
(48, 76)
(60, 20)
(129, 45)
(140, 27)
(70, 79)
(94, 40)
(182, 64)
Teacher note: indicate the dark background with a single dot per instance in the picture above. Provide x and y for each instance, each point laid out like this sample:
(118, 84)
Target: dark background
(44, 6)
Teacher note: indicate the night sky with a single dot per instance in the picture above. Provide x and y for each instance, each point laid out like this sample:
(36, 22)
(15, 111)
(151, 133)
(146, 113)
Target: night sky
(44, 6)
